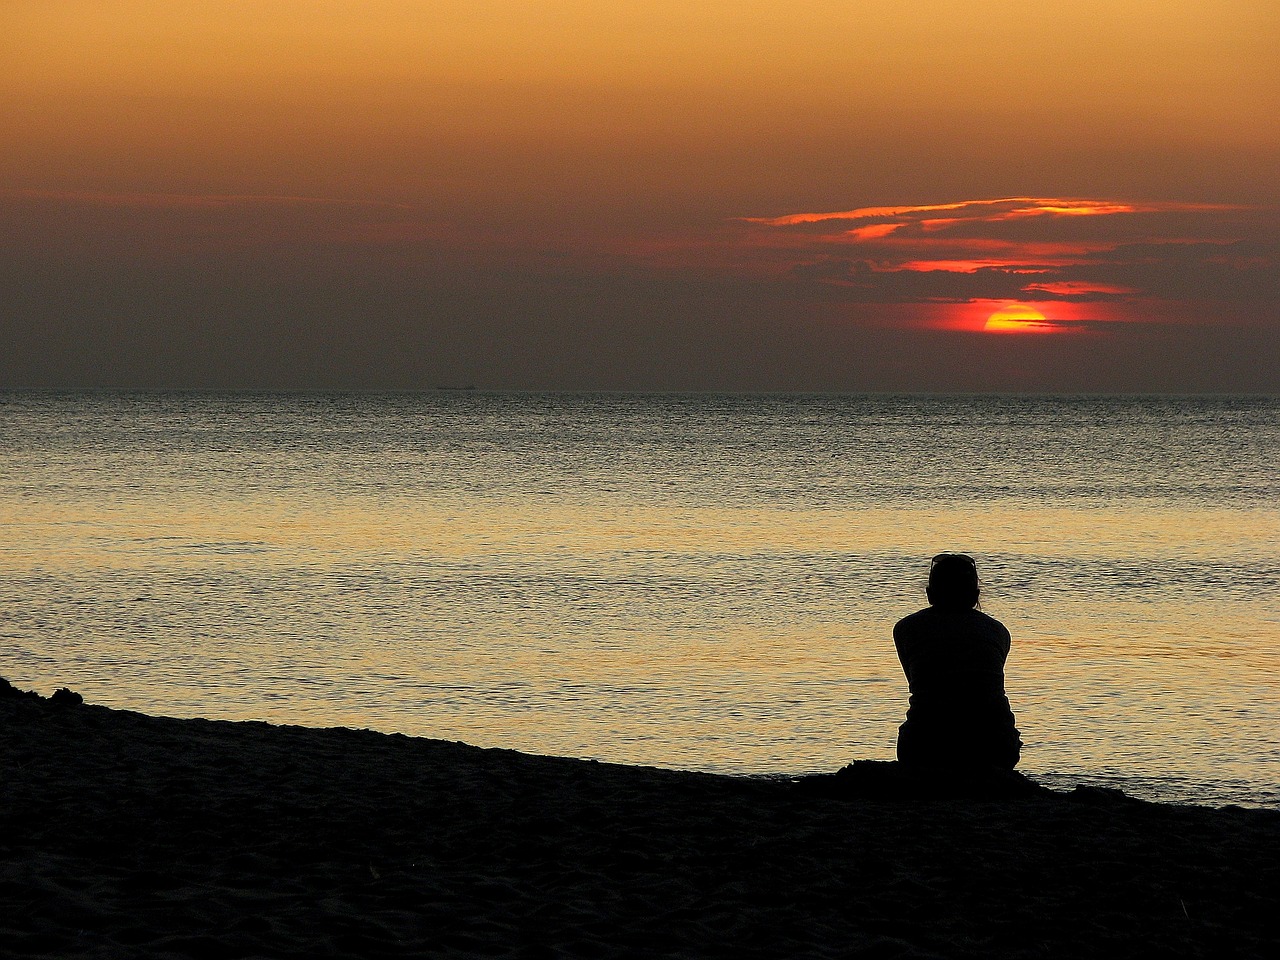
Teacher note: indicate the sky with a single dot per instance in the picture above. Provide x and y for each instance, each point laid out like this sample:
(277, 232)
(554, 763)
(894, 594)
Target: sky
(812, 195)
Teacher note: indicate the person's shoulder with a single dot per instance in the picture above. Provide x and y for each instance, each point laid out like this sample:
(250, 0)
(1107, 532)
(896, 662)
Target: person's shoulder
(912, 623)
(991, 624)
(918, 617)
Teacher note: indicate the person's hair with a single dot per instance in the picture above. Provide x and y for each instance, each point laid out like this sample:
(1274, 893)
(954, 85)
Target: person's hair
(953, 581)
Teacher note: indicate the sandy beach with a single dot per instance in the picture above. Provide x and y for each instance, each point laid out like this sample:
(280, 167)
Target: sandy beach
(131, 835)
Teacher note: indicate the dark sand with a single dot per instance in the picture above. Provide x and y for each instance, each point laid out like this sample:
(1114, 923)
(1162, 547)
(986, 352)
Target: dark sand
(133, 836)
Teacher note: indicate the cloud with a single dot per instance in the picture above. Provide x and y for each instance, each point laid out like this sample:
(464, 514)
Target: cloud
(158, 290)
(136, 228)
(1079, 288)
(186, 201)
(1008, 208)
(1069, 324)
(1073, 250)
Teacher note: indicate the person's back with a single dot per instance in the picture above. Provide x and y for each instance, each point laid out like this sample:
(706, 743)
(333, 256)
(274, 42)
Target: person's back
(953, 656)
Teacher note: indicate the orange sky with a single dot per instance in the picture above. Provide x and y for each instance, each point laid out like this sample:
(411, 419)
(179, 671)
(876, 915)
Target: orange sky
(625, 172)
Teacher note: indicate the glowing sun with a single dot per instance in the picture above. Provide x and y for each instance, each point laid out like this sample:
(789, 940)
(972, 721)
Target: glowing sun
(1017, 318)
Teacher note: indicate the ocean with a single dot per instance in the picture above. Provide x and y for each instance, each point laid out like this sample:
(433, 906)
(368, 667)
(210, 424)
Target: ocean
(703, 582)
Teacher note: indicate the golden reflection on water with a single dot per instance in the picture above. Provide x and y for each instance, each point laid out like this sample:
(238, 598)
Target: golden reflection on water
(729, 638)
(457, 529)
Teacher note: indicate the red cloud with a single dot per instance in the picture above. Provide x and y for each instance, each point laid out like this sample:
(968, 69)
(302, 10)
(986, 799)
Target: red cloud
(1023, 249)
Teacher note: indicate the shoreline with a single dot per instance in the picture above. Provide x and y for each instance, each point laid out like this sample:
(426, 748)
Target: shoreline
(150, 836)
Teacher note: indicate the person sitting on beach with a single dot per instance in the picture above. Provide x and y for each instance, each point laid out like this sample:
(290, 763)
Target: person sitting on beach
(953, 656)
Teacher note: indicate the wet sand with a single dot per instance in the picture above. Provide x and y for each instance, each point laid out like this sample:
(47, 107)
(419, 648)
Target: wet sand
(138, 836)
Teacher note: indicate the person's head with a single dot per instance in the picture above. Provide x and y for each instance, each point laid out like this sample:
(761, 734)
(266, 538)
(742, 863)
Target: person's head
(953, 581)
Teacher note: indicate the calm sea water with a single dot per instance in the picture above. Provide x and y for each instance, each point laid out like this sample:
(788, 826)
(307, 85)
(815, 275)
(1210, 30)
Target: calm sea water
(703, 582)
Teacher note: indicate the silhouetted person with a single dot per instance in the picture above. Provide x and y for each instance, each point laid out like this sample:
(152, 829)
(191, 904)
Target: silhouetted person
(953, 656)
